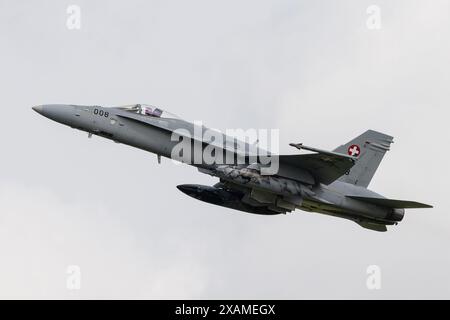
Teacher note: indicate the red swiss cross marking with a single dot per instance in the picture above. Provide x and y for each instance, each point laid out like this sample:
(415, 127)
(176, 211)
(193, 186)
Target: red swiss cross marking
(354, 150)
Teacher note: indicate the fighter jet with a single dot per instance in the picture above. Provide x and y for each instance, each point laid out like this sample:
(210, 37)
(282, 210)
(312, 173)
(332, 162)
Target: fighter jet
(333, 183)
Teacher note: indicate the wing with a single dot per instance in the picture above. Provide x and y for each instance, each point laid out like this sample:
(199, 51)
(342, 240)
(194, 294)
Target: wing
(325, 168)
(391, 203)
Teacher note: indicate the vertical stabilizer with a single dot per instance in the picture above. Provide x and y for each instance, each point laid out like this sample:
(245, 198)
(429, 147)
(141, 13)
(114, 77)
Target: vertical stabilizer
(369, 148)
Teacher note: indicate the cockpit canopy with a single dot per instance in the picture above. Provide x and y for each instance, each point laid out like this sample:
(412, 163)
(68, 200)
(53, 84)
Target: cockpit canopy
(149, 110)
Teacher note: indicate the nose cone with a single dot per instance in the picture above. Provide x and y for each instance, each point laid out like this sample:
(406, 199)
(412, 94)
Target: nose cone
(61, 113)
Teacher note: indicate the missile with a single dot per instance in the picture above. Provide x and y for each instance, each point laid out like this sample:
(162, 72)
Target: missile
(301, 146)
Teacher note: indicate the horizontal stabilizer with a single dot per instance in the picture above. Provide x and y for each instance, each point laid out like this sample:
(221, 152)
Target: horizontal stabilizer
(390, 203)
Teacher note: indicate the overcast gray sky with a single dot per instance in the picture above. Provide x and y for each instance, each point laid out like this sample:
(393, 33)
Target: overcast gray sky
(313, 69)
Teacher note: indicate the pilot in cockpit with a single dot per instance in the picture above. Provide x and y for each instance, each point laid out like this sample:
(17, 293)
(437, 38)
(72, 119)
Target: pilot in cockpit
(157, 113)
(148, 111)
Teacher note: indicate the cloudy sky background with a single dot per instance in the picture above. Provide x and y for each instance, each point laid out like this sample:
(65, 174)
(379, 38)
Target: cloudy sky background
(310, 68)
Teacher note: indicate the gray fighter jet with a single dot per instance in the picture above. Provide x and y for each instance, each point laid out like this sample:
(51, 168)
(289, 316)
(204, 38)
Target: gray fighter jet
(328, 182)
